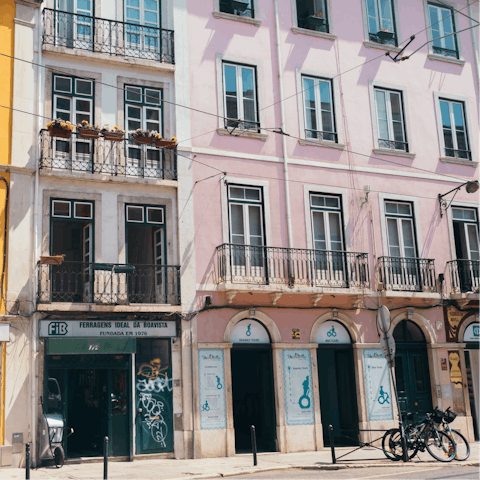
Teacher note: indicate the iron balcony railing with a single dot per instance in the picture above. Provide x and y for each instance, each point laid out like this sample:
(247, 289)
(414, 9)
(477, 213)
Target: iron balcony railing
(393, 144)
(407, 274)
(84, 32)
(105, 157)
(108, 284)
(464, 154)
(313, 24)
(445, 51)
(292, 266)
(236, 8)
(377, 38)
(318, 135)
(464, 276)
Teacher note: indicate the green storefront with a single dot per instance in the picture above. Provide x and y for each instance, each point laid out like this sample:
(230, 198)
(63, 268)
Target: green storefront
(111, 378)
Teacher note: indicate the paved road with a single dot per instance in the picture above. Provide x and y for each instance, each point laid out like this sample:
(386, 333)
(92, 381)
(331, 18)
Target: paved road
(432, 472)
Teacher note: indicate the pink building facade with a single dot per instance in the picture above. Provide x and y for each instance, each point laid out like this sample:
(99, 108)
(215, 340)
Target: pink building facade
(317, 173)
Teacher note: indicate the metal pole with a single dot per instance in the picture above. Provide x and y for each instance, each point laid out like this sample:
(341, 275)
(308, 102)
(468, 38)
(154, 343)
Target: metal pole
(400, 421)
(332, 443)
(27, 461)
(105, 458)
(2, 393)
(254, 445)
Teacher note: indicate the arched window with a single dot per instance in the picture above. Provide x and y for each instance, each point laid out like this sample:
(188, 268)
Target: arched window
(408, 331)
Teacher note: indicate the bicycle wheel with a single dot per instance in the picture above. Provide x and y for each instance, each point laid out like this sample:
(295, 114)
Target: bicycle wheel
(440, 446)
(392, 445)
(463, 448)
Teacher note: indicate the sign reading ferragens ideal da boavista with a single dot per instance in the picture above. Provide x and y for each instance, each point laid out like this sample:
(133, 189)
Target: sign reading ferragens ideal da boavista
(106, 328)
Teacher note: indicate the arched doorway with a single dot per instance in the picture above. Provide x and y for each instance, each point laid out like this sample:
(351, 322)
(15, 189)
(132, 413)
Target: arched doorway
(412, 374)
(336, 379)
(252, 386)
(471, 338)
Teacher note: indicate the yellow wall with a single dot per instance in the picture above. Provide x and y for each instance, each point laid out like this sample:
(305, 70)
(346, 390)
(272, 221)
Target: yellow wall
(7, 14)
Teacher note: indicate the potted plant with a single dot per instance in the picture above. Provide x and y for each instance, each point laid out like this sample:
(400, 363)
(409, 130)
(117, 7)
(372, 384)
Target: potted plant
(86, 130)
(239, 5)
(316, 20)
(385, 34)
(145, 136)
(168, 144)
(114, 135)
(52, 259)
(60, 128)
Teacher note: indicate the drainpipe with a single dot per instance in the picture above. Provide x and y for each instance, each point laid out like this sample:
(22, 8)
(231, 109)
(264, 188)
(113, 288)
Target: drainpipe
(474, 38)
(2, 393)
(282, 118)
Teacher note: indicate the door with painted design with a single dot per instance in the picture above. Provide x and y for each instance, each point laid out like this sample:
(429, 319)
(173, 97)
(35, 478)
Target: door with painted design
(154, 399)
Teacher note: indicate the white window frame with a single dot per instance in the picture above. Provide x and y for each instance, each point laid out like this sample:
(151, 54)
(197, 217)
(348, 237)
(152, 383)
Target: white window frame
(61, 216)
(256, 21)
(245, 182)
(367, 43)
(221, 130)
(399, 217)
(453, 128)
(345, 218)
(127, 220)
(406, 120)
(83, 203)
(326, 211)
(162, 222)
(470, 127)
(337, 109)
(296, 29)
(385, 197)
(434, 56)
(450, 220)
(388, 108)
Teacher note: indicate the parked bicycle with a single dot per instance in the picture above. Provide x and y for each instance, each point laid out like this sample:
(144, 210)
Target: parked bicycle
(461, 444)
(420, 436)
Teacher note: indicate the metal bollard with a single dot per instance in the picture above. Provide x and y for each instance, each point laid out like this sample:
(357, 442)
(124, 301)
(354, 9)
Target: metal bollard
(105, 458)
(332, 443)
(254, 445)
(27, 461)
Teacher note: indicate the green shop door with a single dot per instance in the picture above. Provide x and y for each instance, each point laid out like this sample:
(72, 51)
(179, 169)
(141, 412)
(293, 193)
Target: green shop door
(154, 400)
(411, 369)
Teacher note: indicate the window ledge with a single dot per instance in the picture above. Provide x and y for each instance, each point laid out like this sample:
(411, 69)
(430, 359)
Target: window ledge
(381, 46)
(459, 161)
(314, 33)
(237, 18)
(393, 153)
(443, 58)
(320, 143)
(244, 133)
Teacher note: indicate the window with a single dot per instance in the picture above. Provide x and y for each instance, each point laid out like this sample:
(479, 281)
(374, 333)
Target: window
(144, 38)
(326, 211)
(143, 109)
(319, 109)
(242, 8)
(390, 118)
(74, 30)
(312, 15)
(73, 99)
(400, 229)
(454, 129)
(442, 24)
(245, 207)
(240, 97)
(381, 22)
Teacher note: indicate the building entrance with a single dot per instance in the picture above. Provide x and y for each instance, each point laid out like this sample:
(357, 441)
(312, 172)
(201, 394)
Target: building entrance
(96, 401)
(252, 386)
(411, 369)
(336, 379)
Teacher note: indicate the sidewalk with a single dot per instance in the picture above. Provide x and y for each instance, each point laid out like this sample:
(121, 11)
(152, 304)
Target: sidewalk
(221, 467)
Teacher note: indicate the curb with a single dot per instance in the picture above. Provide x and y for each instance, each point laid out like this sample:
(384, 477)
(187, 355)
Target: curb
(325, 467)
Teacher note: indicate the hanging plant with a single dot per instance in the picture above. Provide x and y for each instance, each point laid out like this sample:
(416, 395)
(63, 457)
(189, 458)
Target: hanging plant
(167, 144)
(316, 20)
(86, 130)
(146, 137)
(60, 128)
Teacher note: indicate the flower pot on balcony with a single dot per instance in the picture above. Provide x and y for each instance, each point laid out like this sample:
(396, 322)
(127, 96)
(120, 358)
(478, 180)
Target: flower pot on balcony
(143, 140)
(167, 144)
(239, 6)
(88, 132)
(315, 21)
(59, 132)
(113, 136)
(385, 35)
(52, 259)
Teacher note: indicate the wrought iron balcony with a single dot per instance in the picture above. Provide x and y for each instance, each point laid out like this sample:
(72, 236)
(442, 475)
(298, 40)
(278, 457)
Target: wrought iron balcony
(407, 274)
(313, 23)
(104, 157)
(318, 135)
(464, 276)
(108, 284)
(292, 266)
(463, 154)
(445, 52)
(393, 144)
(83, 32)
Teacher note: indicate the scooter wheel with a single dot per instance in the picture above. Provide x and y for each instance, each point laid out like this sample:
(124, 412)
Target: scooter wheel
(59, 456)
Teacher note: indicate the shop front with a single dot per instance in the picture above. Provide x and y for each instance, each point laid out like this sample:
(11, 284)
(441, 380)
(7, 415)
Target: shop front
(110, 378)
